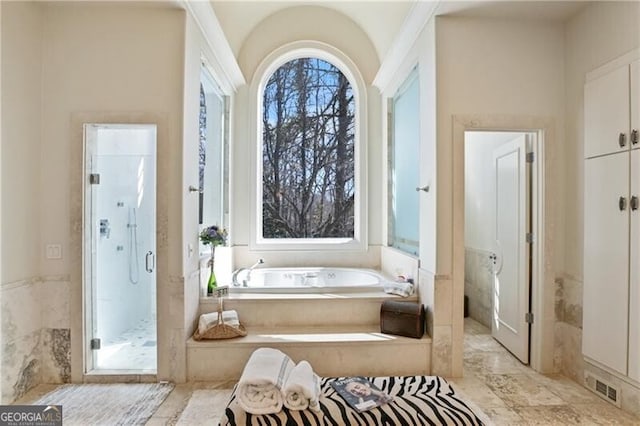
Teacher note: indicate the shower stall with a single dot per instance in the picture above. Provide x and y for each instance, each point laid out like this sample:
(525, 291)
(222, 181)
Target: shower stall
(119, 248)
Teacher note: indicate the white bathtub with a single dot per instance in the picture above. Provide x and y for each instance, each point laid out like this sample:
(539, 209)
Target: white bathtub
(309, 280)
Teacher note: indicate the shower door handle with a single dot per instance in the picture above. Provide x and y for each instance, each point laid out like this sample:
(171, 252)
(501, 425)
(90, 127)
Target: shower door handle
(150, 262)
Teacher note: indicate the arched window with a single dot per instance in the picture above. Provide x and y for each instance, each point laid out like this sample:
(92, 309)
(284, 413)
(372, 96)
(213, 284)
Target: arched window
(309, 162)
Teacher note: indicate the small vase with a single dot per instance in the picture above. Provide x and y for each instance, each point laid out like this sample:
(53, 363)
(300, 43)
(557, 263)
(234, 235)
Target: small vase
(212, 283)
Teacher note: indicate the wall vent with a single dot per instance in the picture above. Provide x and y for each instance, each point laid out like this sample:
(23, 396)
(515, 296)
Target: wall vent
(602, 388)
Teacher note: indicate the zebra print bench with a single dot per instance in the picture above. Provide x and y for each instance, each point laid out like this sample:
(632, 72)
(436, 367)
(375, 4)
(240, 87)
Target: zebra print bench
(417, 400)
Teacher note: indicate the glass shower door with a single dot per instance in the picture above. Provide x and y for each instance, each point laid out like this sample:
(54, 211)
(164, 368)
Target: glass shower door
(120, 222)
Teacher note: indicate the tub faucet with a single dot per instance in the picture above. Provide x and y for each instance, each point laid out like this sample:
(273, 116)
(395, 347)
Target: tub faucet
(234, 277)
(259, 262)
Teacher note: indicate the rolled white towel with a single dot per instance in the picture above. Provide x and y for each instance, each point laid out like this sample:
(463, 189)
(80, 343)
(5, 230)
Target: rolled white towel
(404, 289)
(210, 319)
(259, 389)
(302, 388)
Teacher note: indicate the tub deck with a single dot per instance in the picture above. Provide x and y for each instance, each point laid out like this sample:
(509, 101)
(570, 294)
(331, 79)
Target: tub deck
(339, 334)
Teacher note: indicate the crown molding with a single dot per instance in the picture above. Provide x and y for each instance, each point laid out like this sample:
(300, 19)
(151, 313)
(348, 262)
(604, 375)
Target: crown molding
(224, 61)
(421, 12)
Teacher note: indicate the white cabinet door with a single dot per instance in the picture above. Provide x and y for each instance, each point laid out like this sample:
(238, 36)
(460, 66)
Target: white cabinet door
(606, 113)
(635, 99)
(606, 260)
(634, 272)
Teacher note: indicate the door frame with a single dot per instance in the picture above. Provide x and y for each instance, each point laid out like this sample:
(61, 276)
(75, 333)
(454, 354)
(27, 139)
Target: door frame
(76, 193)
(542, 284)
(89, 245)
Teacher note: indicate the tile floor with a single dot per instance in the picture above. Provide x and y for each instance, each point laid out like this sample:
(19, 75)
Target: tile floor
(511, 393)
(135, 349)
(508, 392)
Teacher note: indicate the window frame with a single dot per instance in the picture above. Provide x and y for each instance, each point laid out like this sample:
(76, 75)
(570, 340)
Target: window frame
(220, 215)
(393, 239)
(273, 61)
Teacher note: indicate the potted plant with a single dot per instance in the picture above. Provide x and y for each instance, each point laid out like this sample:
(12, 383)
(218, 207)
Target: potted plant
(214, 236)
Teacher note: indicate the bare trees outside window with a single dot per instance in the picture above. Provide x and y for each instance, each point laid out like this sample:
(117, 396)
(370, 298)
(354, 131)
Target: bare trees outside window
(308, 158)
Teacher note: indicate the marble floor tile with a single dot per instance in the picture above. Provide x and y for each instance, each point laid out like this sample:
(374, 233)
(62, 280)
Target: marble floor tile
(568, 390)
(545, 415)
(488, 363)
(521, 390)
(477, 391)
(492, 376)
(503, 416)
(508, 392)
(603, 413)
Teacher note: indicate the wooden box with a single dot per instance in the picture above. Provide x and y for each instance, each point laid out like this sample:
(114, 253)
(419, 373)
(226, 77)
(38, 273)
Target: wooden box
(402, 318)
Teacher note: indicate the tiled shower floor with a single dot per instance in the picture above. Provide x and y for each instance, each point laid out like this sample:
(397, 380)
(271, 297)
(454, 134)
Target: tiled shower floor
(135, 349)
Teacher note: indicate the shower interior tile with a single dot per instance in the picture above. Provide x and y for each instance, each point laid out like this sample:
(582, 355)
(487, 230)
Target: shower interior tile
(135, 349)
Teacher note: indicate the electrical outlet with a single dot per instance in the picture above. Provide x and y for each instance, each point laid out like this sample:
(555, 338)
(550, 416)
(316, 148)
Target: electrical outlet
(54, 251)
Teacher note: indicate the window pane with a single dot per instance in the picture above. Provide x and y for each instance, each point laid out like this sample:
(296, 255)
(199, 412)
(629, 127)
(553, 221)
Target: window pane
(405, 152)
(211, 153)
(308, 152)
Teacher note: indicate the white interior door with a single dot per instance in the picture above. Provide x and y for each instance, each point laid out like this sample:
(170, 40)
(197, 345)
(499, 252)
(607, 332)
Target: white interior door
(511, 286)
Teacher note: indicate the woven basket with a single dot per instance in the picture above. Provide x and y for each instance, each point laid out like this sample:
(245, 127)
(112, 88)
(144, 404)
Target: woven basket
(220, 330)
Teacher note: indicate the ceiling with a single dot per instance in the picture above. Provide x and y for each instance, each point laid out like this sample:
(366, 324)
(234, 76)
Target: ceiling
(381, 20)
(557, 11)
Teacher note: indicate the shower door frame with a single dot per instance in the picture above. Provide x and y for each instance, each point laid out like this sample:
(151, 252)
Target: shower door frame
(89, 241)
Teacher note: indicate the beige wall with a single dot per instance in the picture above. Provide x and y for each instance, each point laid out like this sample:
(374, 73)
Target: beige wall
(195, 48)
(65, 63)
(492, 67)
(508, 74)
(1, 368)
(107, 58)
(122, 63)
(22, 251)
(22, 157)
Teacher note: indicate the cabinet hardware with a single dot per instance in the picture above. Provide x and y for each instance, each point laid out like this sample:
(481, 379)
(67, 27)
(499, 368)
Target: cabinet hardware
(622, 203)
(634, 203)
(423, 188)
(622, 140)
(634, 136)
